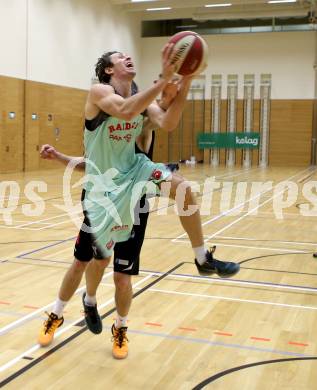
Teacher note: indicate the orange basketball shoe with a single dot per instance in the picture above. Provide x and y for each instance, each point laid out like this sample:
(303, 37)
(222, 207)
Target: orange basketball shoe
(47, 332)
(120, 342)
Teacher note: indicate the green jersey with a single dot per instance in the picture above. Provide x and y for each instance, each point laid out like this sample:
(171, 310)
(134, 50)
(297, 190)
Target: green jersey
(116, 177)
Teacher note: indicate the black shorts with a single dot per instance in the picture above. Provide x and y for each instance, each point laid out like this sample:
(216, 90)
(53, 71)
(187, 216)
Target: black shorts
(126, 253)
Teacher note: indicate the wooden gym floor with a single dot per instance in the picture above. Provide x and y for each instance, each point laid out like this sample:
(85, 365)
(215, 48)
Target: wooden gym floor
(255, 331)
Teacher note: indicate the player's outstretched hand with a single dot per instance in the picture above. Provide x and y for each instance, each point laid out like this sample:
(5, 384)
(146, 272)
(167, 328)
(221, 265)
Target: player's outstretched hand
(48, 152)
(168, 65)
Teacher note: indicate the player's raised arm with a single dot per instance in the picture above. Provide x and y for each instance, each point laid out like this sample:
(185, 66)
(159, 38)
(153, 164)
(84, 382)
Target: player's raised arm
(169, 119)
(168, 95)
(48, 152)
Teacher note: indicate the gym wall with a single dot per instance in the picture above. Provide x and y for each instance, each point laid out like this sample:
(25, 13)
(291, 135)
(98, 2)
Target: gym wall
(48, 53)
(60, 121)
(288, 57)
(11, 130)
(58, 42)
(291, 124)
(53, 46)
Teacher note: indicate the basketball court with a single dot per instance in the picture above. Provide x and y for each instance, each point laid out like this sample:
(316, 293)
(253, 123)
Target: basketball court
(185, 331)
(246, 141)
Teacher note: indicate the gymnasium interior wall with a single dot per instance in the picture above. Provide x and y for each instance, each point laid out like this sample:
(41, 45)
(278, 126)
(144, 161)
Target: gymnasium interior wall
(58, 42)
(314, 149)
(48, 52)
(288, 57)
(291, 125)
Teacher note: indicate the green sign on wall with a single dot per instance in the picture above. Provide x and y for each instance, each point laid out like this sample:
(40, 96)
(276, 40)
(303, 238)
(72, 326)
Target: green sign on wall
(228, 140)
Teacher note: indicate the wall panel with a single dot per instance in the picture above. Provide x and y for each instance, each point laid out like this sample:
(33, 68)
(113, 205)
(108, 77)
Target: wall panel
(250, 53)
(291, 132)
(66, 108)
(291, 124)
(256, 128)
(11, 130)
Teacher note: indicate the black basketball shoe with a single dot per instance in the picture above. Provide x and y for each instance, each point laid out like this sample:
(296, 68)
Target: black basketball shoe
(173, 167)
(92, 317)
(224, 269)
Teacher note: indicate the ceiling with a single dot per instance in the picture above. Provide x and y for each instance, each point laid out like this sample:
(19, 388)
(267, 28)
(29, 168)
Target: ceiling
(195, 9)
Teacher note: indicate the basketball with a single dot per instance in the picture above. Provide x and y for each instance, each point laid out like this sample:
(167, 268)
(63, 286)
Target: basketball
(191, 51)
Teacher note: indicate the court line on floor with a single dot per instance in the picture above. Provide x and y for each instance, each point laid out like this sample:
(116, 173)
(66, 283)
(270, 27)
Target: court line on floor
(48, 218)
(13, 325)
(224, 213)
(50, 225)
(210, 278)
(226, 175)
(47, 260)
(295, 214)
(250, 211)
(68, 220)
(84, 328)
(169, 337)
(260, 239)
(45, 247)
(297, 289)
(225, 298)
(30, 202)
(222, 298)
(213, 378)
(62, 241)
(57, 334)
(280, 271)
(261, 257)
(28, 242)
(215, 343)
(236, 281)
(14, 227)
(235, 174)
(22, 227)
(76, 334)
(17, 221)
(186, 241)
(44, 263)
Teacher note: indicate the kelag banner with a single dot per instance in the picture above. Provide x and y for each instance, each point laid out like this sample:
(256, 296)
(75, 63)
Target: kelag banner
(228, 140)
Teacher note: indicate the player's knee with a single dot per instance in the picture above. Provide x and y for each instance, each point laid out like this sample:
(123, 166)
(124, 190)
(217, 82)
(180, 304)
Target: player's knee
(122, 281)
(178, 184)
(79, 266)
(184, 191)
(102, 264)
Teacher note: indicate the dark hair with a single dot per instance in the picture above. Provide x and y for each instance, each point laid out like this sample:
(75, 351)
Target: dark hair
(104, 62)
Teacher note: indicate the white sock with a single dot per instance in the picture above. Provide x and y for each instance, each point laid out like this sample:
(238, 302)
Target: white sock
(59, 307)
(200, 254)
(90, 300)
(121, 321)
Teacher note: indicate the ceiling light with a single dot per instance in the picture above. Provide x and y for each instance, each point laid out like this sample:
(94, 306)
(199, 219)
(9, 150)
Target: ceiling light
(188, 26)
(140, 1)
(158, 9)
(281, 1)
(218, 5)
